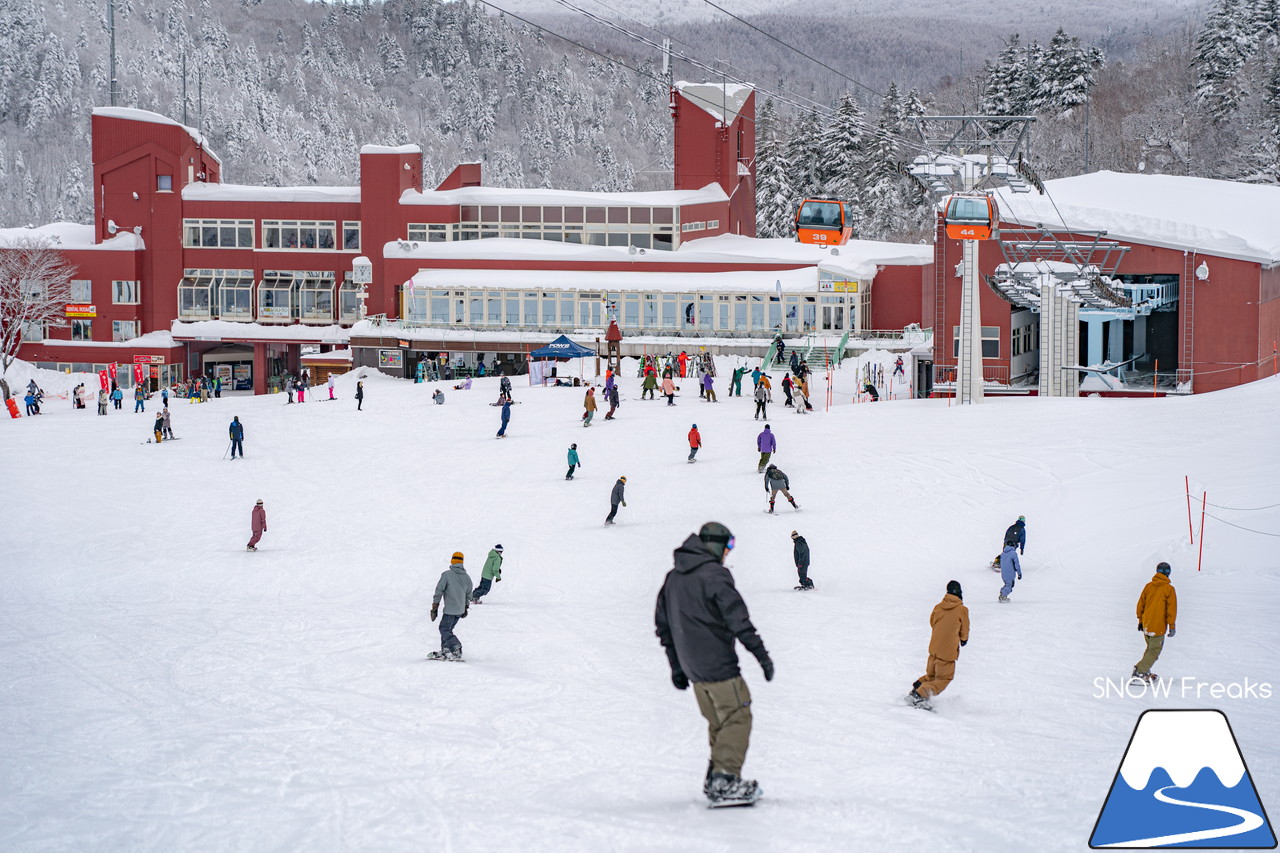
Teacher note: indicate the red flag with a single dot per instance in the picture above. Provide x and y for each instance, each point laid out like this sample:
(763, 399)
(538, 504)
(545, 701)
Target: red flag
(138, 374)
(111, 371)
(102, 377)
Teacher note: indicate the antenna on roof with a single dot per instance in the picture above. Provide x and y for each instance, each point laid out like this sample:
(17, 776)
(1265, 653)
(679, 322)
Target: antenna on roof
(111, 28)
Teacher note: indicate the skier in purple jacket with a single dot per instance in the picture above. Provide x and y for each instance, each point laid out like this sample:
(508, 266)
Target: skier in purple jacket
(767, 445)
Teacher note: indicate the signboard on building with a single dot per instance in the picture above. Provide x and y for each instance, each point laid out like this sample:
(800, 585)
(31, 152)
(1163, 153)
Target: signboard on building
(148, 359)
(390, 358)
(82, 310)
(837, 287)
(275, 312)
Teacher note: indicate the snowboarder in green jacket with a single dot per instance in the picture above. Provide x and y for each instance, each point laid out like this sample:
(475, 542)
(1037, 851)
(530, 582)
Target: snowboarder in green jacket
(491, 572)
(648, 386)
(736, 388)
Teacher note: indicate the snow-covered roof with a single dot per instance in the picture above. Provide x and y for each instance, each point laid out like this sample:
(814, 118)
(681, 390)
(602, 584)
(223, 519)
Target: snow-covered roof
(803, 280)
(857, 259)
(710, 194)
(151, 340)
(216, 330)
(721, 100)
(244, 192)
(335, 355)
(70, 235)
(390, 149)
(1225, 218)
(133, 114)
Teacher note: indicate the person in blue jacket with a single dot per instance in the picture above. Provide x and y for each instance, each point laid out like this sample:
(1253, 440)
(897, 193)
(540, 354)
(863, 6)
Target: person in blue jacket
(236, 432)
(1018, 531)
(1009, 566)
(573, 461)
(506, 418)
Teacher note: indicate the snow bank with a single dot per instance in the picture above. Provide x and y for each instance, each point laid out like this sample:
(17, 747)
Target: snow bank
(216, 330)
(1226, 218)
(54, 383)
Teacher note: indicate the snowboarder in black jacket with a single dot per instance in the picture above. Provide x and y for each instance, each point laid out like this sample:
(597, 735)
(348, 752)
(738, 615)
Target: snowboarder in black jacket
(617, 496)
(801, 554)
(699, 615)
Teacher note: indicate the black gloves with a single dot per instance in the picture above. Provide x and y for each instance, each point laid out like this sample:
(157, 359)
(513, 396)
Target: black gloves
(679, 679)
(766, 664)
(435, 611)
(964, 643)
(1139, 624)
(465, 611)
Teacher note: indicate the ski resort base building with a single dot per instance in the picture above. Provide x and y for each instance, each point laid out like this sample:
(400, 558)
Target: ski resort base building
(1202, 274)
(183, 274)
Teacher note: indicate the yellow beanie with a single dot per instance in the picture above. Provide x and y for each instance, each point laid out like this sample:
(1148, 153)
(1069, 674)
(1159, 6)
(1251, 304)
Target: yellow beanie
(457, 557)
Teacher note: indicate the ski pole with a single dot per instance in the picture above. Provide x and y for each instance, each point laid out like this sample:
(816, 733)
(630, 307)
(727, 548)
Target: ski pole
(228, 450)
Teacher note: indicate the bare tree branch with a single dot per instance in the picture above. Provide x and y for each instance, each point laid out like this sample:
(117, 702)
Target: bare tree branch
(35, 286)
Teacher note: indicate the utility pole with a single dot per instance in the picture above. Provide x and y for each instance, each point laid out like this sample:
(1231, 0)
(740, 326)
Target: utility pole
(666, 58)
(184, 86)
(111, 28)
(1086, 132)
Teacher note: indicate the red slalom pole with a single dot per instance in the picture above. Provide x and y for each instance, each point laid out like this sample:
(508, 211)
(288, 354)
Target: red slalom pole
(1204, 501)
(1187, 489)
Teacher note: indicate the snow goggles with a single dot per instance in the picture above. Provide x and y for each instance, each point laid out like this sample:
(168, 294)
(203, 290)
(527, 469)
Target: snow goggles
(728, 546)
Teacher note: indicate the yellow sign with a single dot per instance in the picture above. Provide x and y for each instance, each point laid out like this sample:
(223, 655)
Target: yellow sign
(837, 287)
(82, 311)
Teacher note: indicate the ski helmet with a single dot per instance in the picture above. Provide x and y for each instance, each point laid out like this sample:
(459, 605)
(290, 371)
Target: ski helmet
(953, 588)
(717, 538)
(1164, 569)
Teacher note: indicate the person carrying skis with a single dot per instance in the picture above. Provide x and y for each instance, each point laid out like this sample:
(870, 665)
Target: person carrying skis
(800, 552)
(490, 574)
(168, 426)
(767, 444)
(695, 442)
(735, 388)
(590, 403)
(359, 396)
(573, 461)
(613, 403)
(649, 385)
(669, 390)
(1009, 567)
(950, 623)
(139, 400)
(786, 389)
(761, 398)
(454, 587)
(506, 418)
(708, 391)
(776, 481)
(1157, 614)
(258, 523)
(236, 432)
(698, 616)
(158, 426)
(617, 496)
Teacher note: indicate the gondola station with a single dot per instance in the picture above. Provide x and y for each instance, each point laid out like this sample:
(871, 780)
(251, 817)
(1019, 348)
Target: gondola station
(182, 274)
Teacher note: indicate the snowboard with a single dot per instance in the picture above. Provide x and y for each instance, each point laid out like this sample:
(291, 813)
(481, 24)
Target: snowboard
(152, 441)
(728, 804)
(804, 588)
(925, 705)
(442, 656)
(513, 402)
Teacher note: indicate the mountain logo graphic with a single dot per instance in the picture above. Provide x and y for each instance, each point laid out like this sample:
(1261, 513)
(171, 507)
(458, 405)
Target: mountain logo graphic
(1183, 783)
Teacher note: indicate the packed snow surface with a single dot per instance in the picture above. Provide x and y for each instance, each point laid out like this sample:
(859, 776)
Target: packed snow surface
(164, 690)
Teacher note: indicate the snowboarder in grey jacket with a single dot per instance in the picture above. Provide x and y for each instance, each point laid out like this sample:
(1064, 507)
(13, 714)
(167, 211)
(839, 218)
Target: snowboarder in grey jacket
(617, 496)
(800, 552)
(775, 481)
(699, 615)
(455, 588)
(1010, 566)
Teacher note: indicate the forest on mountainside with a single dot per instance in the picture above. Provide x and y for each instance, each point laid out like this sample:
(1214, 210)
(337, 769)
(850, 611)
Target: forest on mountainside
(287, 91)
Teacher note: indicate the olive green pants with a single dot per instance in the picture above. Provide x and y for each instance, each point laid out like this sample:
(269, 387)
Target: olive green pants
(727, 708)
(1155, 645)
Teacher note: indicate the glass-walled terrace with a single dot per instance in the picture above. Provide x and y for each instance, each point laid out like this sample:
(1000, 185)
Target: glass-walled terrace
(280, 296)
(730, 314)
(642, 227)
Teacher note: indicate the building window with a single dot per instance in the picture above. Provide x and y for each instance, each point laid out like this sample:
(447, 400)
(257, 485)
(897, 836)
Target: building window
(81, 291)
(351, 236)
(124, 293)
(990, 341)
(195, 295)
(124, 330)
(235, 294)
(349, 301)
(278, 294)
(32, 332)
(713, 223)
(315, 292)
(298, 234)
(164, 183)
(217, 233)
(81, 330)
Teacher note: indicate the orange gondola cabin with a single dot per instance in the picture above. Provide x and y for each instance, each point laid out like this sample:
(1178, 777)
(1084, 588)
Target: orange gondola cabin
(823, 222)
(971, 217)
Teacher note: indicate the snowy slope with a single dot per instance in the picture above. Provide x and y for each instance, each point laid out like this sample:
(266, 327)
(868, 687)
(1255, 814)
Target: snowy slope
(164, 690)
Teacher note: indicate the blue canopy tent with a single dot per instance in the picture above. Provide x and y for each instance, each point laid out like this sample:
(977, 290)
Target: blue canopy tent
(560, 349)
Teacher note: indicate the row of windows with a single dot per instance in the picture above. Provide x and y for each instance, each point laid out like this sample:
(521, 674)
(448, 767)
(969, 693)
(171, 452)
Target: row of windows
(737, 312)
(122, 292)
(281, 296)
(82, 330)
(990, 341)
(1024, 340)
(495, 214)
(660, 237)
(710, 224)
(279, 234)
